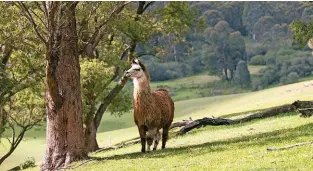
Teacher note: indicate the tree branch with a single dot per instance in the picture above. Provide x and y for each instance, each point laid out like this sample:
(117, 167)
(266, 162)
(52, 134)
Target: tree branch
(8, 49)
(32, 21)
(149, 4)
(98, 32)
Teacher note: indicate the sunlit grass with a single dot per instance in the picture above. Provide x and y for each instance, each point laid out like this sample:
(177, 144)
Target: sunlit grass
(236, 148)
(114, 129)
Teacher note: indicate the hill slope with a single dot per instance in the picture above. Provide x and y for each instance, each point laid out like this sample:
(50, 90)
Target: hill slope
(195, 108)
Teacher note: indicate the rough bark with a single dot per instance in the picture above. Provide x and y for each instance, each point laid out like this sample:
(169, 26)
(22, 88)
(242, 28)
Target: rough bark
(91, 143)
(64, 105)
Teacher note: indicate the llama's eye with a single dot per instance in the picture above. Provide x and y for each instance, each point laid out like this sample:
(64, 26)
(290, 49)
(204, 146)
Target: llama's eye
(137, 69)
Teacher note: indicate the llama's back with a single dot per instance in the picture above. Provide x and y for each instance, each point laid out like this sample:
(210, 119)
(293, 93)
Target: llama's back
(166, 105)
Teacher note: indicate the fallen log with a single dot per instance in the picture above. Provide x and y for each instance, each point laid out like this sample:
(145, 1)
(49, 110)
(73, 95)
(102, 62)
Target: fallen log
(306, 112)
(181, 123)
(223, 121)
(289, 146)
(267, 113)
(303, 104)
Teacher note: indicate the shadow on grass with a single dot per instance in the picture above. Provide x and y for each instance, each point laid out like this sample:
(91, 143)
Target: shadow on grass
(261, 139)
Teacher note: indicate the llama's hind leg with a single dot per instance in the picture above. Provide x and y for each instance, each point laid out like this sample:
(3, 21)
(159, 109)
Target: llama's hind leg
(157, 138)
(150, 135)
(142, 133)
(164, 136)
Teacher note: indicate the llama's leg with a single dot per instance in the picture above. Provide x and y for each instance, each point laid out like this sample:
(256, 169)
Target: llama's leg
(142, 133)
(157, 138)
(151, 133)
(164, 136)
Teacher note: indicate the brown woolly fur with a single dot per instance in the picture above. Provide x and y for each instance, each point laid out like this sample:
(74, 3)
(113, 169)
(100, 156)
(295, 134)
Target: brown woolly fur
(152, 110)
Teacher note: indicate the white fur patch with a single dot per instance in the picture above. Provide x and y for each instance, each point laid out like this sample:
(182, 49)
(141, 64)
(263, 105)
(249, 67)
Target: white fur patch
(136, 83)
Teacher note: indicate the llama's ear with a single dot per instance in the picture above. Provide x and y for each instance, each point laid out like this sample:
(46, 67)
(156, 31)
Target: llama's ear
(135, 61)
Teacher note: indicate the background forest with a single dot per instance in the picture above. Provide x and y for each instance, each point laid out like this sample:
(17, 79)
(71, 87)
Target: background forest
(225, 33)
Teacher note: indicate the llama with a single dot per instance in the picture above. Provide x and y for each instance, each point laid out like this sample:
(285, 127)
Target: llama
(152, 110)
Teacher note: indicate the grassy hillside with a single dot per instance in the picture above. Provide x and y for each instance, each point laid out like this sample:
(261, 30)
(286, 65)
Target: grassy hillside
(115, 130)
(201, 85)
(237, 147)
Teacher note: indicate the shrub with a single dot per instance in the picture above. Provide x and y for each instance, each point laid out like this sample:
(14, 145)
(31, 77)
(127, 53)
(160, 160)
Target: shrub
(258, 60)
(30, 162)
(291, 78)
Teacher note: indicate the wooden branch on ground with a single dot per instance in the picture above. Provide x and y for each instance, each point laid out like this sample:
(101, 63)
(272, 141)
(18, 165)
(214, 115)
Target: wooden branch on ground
(120, 145)
(306, 112)
(289, 146)
(189, 125)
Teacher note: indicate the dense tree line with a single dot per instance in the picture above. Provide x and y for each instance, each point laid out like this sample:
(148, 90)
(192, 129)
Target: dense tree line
(255, 32)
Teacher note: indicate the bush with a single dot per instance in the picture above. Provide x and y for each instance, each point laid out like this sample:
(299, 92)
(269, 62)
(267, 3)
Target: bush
(271, 61)
(258, 60)
(291, 78)
(30, 162)
(254, 51)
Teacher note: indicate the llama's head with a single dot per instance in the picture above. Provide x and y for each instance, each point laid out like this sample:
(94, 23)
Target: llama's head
(137, 70)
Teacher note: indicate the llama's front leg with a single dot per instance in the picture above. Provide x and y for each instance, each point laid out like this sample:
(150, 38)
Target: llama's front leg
(142, 133)
(157, 138)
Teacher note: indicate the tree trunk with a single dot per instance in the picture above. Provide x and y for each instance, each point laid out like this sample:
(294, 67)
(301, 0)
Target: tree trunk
(0, 120)
(91, 131)
(91, 143)
(64, 115)
(3, 158)
(225, 71)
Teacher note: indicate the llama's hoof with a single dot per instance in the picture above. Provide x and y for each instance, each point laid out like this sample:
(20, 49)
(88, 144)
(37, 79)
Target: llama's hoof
(154, 149)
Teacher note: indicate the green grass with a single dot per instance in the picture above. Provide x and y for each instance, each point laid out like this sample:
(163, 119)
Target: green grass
(114, 130)
(237, 147)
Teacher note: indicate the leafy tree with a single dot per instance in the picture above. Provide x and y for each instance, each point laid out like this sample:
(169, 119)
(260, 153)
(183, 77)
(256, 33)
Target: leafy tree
(242, 74)
(290, 78)
(24, 111)
(228, 49)
(263, 25)
(303, 31)
(236, 51)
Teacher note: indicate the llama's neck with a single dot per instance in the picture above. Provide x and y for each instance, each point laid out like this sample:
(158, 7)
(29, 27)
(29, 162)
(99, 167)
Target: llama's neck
(141, 88)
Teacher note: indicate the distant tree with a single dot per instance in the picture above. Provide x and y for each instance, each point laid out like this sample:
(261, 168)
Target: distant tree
(307, 13)
(292, 77)
(303, 31)
(236, 51)
(227, 49)
(212, 17)
(263, 25)
(242, 74)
